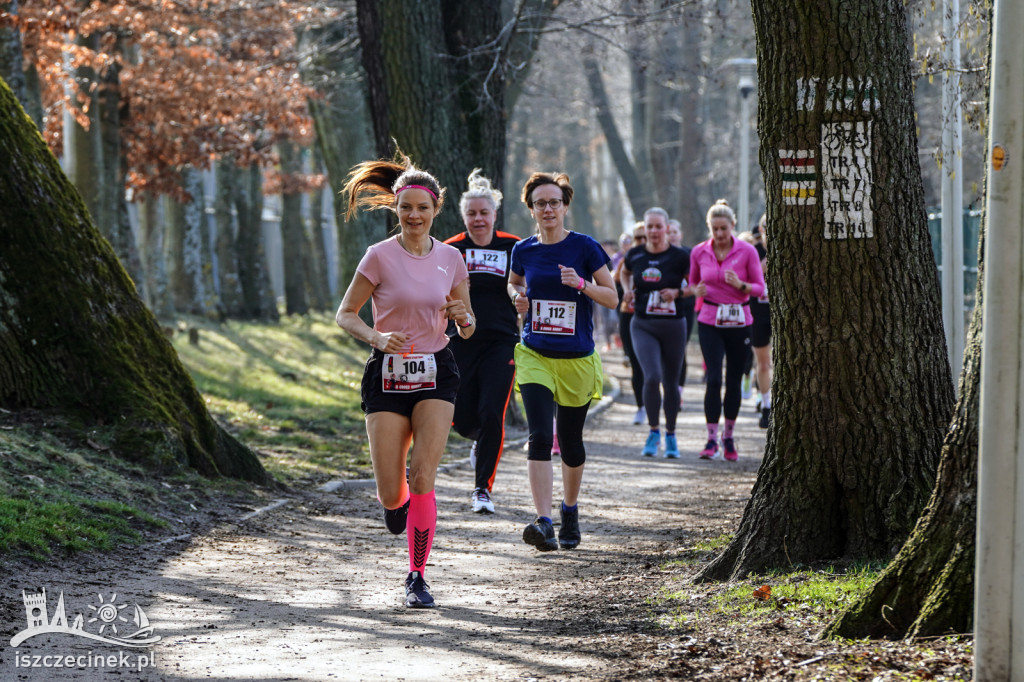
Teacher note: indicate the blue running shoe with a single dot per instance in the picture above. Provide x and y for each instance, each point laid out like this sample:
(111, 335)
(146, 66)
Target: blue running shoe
(671, 447)
(651, 446)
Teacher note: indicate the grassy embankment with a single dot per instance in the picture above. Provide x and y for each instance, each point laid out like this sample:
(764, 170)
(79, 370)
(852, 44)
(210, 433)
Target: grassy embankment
(290, 391)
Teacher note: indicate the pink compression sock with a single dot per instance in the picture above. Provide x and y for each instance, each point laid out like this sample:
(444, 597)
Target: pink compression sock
(420, 529)
(713, 432)
(727, 431)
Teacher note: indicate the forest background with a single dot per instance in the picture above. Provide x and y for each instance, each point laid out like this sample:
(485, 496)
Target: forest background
(209, 139)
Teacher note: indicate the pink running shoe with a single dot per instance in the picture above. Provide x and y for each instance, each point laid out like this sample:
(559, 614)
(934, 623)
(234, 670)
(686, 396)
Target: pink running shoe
(730, 449)
(710, 450)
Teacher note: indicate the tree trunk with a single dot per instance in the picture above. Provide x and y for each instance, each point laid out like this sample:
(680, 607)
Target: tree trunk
(83, 147)
(227, 173)
(638, 194)
(12, 64)
(928, 589)
(293, 236)
(151, 234)
(862, 386)
(442, 93)
(344, 134)
(76, 339)
(316, 265)
(113, 199)
(190, 261)
(253, 272)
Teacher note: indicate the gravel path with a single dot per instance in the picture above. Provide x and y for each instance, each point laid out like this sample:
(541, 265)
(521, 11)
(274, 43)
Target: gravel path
(312, 590)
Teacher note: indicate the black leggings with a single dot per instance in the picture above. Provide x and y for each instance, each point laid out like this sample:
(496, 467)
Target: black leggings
(730, 344)
(657, 345)
(637, 378)
(539, 405)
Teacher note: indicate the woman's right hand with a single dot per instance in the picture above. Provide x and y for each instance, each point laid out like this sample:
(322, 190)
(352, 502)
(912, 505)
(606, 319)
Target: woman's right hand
(700, 290)
(389, 342)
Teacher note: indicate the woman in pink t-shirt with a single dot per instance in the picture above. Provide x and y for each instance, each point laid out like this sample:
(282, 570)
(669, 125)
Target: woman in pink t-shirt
(725, 272)
(417, 285)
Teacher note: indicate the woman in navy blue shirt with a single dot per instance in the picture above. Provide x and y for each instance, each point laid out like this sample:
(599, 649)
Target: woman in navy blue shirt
(557, 276)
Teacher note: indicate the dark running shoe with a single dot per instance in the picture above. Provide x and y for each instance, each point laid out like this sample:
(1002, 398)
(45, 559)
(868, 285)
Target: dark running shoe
(395, 519)
(417, 592)
(569, 532)
(541, 534)
(766, 413)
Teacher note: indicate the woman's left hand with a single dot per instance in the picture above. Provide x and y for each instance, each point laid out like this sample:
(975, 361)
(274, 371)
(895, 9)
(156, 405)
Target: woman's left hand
(667, 295)
(455, 309)
(569, 277)
(732, 279)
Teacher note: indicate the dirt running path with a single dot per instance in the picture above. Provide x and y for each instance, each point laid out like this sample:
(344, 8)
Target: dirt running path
(312, 590)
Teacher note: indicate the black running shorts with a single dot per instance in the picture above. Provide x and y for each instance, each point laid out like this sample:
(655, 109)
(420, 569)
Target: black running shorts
(374, 399)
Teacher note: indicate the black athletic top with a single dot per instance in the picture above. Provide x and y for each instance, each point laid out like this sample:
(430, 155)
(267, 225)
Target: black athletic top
(496, 317)
(653, 272)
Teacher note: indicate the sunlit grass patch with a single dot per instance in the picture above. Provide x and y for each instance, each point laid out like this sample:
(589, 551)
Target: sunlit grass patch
(55, 497)
(701, 551)
(290, 391)
(799, 598)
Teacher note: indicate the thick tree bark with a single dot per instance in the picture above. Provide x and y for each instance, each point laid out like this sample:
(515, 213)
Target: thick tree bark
(928, 589)
(862, 390)
(75, 338)
(293, 236)
(437, 78)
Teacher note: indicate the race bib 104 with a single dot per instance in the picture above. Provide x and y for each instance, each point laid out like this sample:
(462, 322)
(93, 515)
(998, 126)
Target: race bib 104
(656, 306)
(409, 372)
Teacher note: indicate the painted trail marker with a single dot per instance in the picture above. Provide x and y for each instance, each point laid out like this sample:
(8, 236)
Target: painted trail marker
(799, 178)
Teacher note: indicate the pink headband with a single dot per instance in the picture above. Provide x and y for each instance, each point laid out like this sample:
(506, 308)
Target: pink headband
(427, 189)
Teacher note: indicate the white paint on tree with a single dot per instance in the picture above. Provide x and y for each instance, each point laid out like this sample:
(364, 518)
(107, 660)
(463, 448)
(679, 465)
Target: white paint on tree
(841, 94)
(846, 179)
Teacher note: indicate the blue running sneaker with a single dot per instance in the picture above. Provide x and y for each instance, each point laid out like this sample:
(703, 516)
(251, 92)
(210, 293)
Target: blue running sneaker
(417, 592)
(671, 447)
(651, 446)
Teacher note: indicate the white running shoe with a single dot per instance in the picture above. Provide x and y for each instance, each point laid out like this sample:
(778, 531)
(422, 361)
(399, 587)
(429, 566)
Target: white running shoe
(640, 416)
(482, 503)
(472, 457)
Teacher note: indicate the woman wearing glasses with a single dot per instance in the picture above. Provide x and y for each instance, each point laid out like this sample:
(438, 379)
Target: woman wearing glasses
(557, 276)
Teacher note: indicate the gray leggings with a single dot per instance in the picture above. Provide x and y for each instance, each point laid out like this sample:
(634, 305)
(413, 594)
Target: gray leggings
(659, 345)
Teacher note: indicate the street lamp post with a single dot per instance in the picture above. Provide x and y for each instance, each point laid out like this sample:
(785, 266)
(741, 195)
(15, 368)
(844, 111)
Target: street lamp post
(746, 86)
(952, 194)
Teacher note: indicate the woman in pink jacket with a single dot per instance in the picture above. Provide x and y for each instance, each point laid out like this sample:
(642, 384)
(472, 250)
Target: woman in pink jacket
(725, 272)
